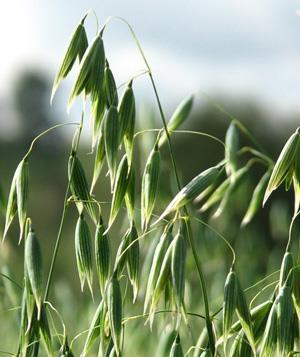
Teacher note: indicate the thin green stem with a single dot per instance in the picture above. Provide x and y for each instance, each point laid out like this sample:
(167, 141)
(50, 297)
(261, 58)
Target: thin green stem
(183, 132)
(288, 246)
(240, 125)
(261, 291)
(256, 153)
(172, 156)
(135, 76)
(75, 145)
(44, 133)
(261, 281)
(208, 320)
(219, 235)
(130, 318)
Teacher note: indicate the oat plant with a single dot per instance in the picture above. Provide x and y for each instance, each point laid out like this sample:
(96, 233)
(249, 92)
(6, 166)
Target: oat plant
(238, 327)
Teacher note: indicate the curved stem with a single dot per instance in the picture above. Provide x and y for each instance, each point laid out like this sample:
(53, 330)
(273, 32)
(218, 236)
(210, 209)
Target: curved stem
(44, 133)
(182, 132)
(256, 153)
(241, 126)
(261, 291)
(74, 148)
(219, 235)
(130, 318)
(288, 246)
(172, 156)
(135, 76)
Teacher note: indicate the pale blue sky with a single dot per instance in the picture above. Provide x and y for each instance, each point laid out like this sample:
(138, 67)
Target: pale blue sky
(239, 48)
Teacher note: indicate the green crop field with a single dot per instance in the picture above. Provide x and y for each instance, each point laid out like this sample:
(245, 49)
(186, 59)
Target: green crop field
(127, 254)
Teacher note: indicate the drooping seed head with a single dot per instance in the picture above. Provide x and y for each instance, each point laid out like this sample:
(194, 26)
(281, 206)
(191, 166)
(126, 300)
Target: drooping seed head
(33, 264)
(178, 118)
(286, 271)
(111, 92)
(244, 316)
(149, 186)
(130, 194)
(190, 191)
(91, 71)
(178, 266)
(79, 186)
(95, 329)
(102, 256)
(22, 188)
(120, 188)
(133, 260)
(256, 199)
(114, 307)
(285, 316)
(111, 140)
(176, 349)
(127, 119)
(157, 260)
(229, 303)
(83, 250)
(283, 164)
(231, 149)
(76, 49)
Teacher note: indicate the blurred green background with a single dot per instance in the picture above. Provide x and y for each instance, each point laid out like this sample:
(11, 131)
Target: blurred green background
(259, 246)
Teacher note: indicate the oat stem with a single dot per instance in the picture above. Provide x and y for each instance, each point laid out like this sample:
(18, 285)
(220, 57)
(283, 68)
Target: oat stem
(65, 204)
